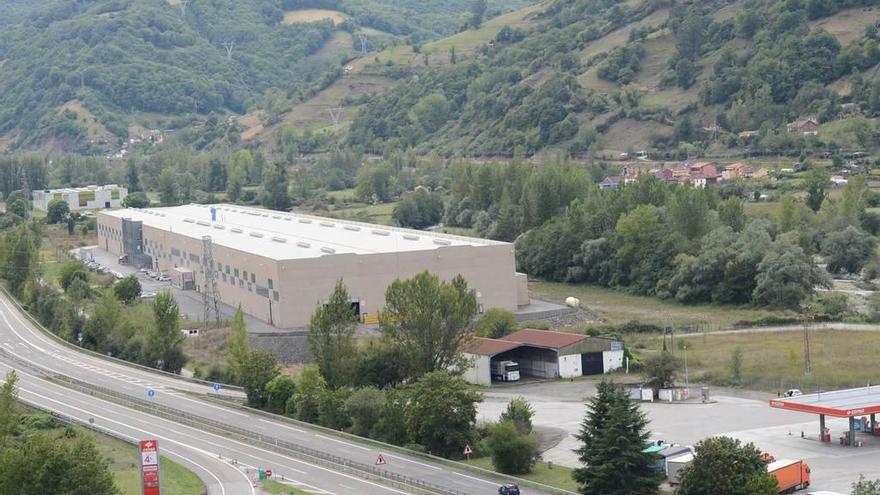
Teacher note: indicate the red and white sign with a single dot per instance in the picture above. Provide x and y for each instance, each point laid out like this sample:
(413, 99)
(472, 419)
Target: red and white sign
(468, 451)
(150, 467)
(268, 473)
(380, 461)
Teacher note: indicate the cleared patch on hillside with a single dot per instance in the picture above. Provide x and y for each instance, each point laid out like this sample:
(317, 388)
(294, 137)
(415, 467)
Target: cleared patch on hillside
(466, 42)
(316, 112)
(848, 25)
(591, 80)
(843, 86)
(620, 37)
(251, 125)
(339, 45)
(87, 120)
(632, 135)
(313, 15)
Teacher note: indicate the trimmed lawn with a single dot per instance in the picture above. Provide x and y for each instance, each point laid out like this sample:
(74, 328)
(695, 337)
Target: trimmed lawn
(559, 476)
(774, 361)
(616, 307)
(176, 479)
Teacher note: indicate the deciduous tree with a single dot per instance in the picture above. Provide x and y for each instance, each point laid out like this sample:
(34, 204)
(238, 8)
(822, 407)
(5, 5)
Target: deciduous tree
(513, 452)
(441, 413)
(331, 337)
(710, 472)
(430, 320)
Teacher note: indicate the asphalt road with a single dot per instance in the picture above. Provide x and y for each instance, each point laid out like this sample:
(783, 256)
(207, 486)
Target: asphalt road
(21, 339)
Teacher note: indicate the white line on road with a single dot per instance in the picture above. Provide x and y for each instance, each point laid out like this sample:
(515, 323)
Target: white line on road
(342, 442)
(476, 479)
(282, 426)
(404, 459)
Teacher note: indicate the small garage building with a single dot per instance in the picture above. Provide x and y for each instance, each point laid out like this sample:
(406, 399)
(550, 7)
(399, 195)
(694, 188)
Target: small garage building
(544, 354)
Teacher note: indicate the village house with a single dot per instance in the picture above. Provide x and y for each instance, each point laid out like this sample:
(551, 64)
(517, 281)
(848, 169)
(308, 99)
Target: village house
(612, 182)
(807, 127)
(749, 134)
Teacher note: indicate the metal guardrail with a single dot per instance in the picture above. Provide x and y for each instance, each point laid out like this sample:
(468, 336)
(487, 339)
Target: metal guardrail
(502, 478)
(336, 463)
(116, 360)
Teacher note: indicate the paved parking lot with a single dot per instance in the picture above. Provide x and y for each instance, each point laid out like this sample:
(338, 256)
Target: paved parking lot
(743, 415)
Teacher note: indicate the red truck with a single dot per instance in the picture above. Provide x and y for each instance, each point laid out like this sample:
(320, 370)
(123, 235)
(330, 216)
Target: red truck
(790, 475)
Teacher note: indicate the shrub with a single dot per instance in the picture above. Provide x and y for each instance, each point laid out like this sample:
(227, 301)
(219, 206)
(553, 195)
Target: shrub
(512, 452)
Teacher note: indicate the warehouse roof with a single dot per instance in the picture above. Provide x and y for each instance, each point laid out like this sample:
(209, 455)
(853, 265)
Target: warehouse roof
(489, 347)
(280, 235)
(840, 403)
(81, 189)
(545, 338)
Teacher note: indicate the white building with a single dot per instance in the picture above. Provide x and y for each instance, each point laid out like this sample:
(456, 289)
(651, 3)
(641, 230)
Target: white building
(544, 354)
(82, 198)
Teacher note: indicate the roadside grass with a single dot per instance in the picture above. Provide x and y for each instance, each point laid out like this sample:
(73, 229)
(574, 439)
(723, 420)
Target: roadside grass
(176, 479)
(615, 307)
(774, 361)
(276, 488)
(559, 476)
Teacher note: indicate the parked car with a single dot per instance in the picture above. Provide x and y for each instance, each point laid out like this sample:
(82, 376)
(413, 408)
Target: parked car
(148, 295)
(163, 278)
(792, 392)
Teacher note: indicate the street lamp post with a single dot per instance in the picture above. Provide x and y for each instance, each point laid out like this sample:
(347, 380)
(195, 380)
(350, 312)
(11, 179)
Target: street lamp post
(687, 383)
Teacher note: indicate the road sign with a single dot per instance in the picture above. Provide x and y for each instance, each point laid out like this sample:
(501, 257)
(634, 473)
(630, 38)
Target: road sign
(150, 467)
(268, 473)
(261, 474)
(151, 393)
(380, 461)
(216, 388)
(468, 451)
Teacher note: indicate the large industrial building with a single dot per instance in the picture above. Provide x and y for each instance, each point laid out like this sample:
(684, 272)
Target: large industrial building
(278, 265)
(82, 198)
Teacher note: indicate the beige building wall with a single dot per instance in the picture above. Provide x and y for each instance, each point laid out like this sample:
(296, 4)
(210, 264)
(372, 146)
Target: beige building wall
(297, 285)
(489, 270)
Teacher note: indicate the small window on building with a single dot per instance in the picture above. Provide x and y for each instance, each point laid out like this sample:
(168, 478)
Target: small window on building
(275, 295)
(224, 276)
(253, 278)
(250, 288)
(241, 283)
(244, 274)
(271, 286)
(236, 273)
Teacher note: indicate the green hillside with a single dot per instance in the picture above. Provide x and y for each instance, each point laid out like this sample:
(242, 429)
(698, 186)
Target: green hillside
(84, 75)
(676, 78)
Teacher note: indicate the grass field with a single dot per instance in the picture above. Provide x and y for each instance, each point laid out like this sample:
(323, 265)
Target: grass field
(615, 307)
(176, 479)
(380, 214)
(559, 476)
(468, 40)
(313, 15)
(775, 360)
(276, 488)
(849, 24)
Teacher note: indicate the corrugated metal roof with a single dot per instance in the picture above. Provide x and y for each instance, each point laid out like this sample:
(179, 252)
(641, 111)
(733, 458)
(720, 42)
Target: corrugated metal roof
(489, 347)
(545, 338)
(282, 236)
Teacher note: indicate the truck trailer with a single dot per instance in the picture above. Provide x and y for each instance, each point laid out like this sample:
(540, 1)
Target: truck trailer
(790, 475)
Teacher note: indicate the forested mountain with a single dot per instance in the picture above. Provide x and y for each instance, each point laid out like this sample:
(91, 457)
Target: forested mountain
(666, 75)
(77, 75)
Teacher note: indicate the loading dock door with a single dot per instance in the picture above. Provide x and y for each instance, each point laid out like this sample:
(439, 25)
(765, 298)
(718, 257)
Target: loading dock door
(591, 363)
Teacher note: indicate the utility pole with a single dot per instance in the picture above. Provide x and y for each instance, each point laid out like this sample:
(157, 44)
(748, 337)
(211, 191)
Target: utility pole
(229, 45)
(210, 292)
(808, 362)
(336, 114)
(25, 190)
(363, 39)
(687, 382)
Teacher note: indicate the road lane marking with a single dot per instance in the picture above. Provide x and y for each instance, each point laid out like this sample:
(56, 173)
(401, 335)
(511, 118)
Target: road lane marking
(404, 459)
(282, 426)
(342, 442)
(476, 479)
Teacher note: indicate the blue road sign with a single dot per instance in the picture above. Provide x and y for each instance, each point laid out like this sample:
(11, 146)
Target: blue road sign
(216, 387)
(151, 393)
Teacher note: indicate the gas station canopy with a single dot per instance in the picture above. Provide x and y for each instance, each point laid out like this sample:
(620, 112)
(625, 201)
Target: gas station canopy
(840, 403)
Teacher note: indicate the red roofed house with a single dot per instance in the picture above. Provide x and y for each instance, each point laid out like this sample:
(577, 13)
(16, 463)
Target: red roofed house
(543, 354)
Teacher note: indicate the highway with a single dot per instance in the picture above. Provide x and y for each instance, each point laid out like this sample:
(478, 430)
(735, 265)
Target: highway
(197, 437)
